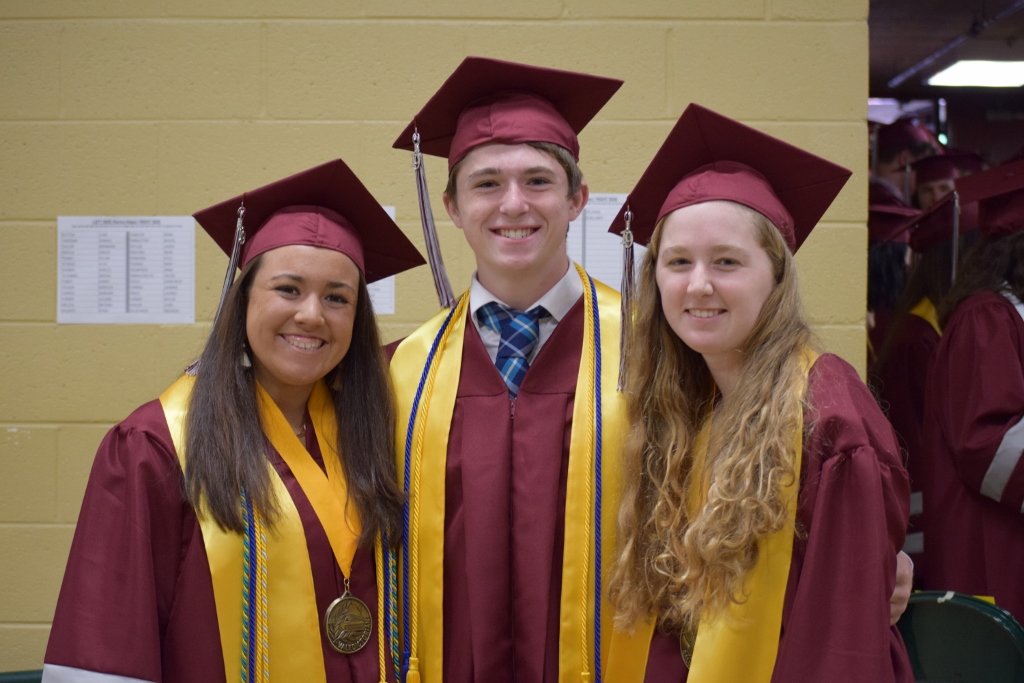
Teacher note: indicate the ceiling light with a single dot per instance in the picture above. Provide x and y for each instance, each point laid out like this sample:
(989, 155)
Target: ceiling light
(982, 74)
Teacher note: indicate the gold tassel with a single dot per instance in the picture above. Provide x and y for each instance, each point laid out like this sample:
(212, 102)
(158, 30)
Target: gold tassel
(413, 675)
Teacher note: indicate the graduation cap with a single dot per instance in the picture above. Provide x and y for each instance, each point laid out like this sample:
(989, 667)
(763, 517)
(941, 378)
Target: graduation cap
(999, 192)
(493, 101)
(708, 156)
(905, 133)
(967, 161)
(325, 206)
(934, 168)
(891, 222)
(944, 219)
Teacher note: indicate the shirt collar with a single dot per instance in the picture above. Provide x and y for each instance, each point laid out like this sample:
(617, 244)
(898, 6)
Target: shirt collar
(557, 300)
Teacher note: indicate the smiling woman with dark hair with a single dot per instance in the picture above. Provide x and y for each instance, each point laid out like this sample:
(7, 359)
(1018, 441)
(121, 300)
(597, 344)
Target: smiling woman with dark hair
(235, 528)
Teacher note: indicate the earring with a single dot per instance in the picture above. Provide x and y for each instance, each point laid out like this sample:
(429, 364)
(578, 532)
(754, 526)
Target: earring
(245, 360)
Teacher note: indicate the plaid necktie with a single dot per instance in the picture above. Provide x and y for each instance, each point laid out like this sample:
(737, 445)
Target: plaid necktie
(519, 333)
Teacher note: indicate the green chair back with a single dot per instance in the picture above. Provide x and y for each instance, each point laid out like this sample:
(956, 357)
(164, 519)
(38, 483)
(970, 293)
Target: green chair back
(957, 638)
(32, 676)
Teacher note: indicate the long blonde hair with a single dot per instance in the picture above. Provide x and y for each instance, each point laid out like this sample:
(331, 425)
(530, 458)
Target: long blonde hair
(670, 565)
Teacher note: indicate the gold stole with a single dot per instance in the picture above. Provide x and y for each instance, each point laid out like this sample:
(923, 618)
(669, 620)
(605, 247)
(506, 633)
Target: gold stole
(294, 621)
(925, 310)
(429, 453)
(741, 643)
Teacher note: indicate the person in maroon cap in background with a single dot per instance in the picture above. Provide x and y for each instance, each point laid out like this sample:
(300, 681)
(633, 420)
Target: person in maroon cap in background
(888, 264)
(896, 147)
(229, 529)
(765, 499)
(974, 411)
(900, 370)
(934, 178)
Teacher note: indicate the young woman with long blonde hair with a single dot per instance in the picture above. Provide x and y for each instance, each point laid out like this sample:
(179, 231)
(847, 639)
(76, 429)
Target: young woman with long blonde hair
(765, 499)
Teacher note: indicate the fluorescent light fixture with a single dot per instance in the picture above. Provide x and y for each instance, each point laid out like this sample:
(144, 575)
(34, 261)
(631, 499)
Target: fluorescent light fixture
(981, 74)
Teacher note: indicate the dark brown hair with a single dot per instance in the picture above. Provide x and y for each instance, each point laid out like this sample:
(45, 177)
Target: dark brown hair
(930, 278)
(564, 157)
(227, 450)
(993, 264)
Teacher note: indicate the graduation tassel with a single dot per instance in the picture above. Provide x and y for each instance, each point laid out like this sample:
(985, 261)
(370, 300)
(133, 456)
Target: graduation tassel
(628, 291)
(413, 675)
(906, 184)
(955, 255)
(236, 252)
(229, 277)
(441, 283)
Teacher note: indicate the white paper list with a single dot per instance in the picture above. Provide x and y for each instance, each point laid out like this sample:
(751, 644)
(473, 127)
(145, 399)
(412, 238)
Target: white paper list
(125, 269)
(382, 292)
(593, 247)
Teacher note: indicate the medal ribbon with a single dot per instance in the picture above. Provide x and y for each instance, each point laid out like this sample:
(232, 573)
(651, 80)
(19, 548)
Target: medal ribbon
(424, 421)
(327, 493)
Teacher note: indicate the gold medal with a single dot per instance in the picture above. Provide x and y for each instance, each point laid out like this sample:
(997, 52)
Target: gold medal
(687, 641)
(347, 623)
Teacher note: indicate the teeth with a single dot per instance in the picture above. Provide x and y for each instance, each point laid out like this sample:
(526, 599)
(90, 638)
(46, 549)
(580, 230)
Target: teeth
(304, 343)
(697, 313)
(515, 233)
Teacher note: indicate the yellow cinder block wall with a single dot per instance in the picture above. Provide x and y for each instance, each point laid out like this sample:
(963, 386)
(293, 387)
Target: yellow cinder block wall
(157, 107)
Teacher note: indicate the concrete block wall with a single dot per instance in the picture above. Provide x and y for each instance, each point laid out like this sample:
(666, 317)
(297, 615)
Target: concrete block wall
(154, 107)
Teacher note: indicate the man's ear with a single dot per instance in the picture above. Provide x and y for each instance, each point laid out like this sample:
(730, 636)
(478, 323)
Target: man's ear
(579, 200)
(452, 207)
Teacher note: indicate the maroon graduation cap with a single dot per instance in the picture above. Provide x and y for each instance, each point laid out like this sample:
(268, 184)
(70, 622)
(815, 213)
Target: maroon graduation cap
(489, 100)
(708, 156)
(891, 222)
(904, 134)
(999, 192)
(936, 167)
(324, 206)
(939, 223)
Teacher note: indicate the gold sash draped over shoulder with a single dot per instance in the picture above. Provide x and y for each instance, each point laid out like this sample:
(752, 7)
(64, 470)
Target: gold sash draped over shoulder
(296, 651)
(741, 643)
(598, 408)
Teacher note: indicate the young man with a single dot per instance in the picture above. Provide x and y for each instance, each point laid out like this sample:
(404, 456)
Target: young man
(512, 520)
(511, 475)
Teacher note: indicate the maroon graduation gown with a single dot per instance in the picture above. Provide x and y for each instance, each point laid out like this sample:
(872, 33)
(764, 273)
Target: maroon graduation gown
(137, 598)
(975, 536)
(505, 486)
(852, 513)
(901, 385)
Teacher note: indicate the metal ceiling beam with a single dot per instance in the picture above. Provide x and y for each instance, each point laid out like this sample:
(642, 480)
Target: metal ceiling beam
(975, 30)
